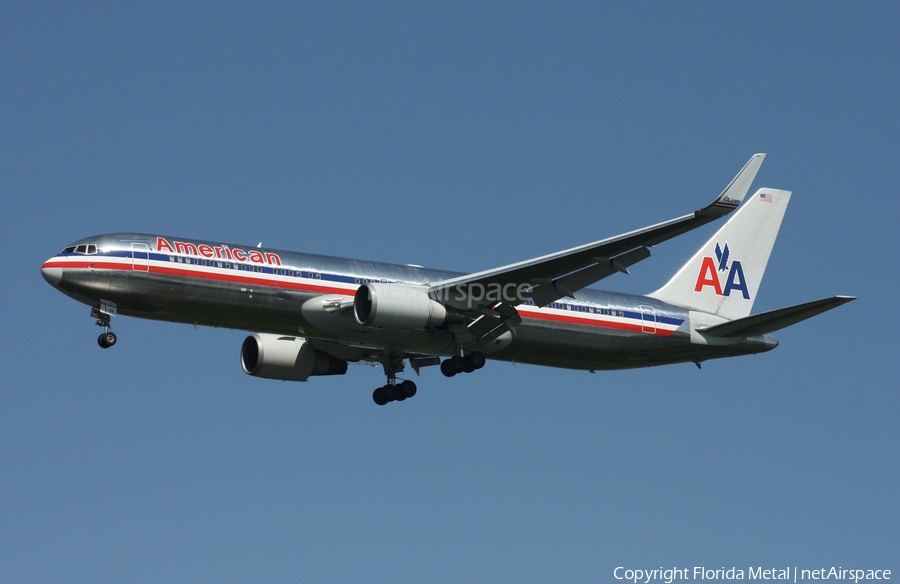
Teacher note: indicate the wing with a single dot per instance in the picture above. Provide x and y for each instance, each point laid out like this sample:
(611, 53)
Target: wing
(563, 273)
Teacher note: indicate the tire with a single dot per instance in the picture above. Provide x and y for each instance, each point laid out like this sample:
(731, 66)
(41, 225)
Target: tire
(379, 396)
(392, 393)
(408, 388)
(447, 368)
(478, 359)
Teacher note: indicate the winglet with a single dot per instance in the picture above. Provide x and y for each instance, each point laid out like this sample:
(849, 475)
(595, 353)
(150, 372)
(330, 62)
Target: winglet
(737, 189)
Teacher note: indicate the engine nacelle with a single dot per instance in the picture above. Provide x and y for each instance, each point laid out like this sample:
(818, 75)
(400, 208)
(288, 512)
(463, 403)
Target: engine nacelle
(286, 358)
(400, 307)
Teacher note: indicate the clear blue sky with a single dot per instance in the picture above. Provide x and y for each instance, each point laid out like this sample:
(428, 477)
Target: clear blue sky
(462, 137)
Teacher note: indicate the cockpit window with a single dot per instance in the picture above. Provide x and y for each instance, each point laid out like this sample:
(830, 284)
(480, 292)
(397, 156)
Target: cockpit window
(85, 248)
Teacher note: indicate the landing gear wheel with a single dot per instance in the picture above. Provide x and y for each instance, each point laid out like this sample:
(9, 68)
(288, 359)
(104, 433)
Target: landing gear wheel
(447, 368)
(380, 396)
(477, 359)
(107, 339)
(458, 364)
(407, 388)
(391, 392)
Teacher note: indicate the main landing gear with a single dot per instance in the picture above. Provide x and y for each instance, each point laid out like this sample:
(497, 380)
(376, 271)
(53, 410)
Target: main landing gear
(104, 314)
(393, 390)
(462, 364)
(399, 391)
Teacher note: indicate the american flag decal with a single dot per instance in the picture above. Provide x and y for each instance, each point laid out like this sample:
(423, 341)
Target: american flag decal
(766, 197)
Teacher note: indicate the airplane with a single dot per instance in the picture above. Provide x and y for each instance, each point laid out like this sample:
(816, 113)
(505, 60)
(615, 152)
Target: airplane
(313, 314)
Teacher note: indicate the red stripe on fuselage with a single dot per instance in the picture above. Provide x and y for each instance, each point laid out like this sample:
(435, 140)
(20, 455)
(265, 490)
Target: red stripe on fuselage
(625, 326)
(241, 279)
(257, 281)
(190, 273)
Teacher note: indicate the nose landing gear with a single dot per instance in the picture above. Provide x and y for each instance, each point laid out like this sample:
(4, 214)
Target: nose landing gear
(104, 314)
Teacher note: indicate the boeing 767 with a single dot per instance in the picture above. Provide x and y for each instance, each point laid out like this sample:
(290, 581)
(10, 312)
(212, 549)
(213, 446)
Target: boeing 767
(313, 314)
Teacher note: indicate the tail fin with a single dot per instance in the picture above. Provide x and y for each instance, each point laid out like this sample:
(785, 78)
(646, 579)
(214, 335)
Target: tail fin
(724, 276)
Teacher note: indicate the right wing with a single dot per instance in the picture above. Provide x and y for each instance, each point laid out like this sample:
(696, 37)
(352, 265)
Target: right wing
(563, 273)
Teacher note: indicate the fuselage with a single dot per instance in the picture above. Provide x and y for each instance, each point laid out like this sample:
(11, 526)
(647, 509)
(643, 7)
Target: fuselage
(262, 290)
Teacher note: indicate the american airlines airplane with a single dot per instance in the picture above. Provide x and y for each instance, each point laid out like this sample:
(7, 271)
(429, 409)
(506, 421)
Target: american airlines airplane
(315, 314)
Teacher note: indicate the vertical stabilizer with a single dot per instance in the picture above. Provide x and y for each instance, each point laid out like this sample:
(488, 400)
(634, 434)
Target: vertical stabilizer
(724, 276)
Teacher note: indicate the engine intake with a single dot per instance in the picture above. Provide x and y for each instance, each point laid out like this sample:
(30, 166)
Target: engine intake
(400, 307)
(286, 358)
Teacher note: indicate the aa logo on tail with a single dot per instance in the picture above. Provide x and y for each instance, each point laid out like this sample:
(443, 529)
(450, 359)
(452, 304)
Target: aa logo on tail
(710, 274)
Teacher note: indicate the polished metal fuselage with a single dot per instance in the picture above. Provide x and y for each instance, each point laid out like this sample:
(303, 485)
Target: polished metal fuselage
(262, 290)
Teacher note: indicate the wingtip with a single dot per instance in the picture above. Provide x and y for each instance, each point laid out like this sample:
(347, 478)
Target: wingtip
(737, 189)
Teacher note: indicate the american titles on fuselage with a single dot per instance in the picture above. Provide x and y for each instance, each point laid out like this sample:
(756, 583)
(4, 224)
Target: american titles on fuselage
(222, 252)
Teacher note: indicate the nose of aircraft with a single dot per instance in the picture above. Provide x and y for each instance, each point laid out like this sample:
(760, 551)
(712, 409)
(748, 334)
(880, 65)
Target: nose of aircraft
(53, 275)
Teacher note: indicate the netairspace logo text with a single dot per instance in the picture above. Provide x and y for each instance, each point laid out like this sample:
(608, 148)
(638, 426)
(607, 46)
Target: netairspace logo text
(786, 574)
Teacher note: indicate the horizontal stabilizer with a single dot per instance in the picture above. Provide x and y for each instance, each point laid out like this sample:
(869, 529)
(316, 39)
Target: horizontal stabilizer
(769, 322)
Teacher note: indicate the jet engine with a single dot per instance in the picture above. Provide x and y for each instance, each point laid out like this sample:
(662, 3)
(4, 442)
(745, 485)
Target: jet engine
(286, 358)
(400, 307)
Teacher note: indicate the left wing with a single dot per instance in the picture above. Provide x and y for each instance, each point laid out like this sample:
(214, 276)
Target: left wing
(563, 273)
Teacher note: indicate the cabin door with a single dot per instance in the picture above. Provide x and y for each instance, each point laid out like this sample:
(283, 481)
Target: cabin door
(648, 319)
(140, 257)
